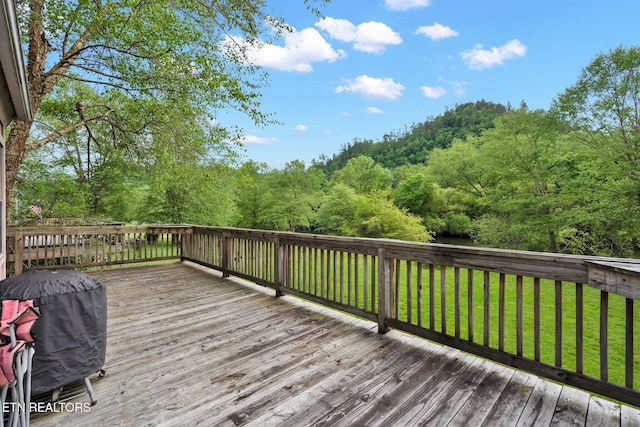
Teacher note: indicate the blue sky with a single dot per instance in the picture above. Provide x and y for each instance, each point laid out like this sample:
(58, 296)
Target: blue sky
(372, 67)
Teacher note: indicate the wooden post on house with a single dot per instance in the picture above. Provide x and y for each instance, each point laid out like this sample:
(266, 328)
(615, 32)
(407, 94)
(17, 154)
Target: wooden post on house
(19, 247)
(383, 292)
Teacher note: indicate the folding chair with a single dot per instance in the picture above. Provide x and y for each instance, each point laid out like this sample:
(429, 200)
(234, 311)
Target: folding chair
(16, 320)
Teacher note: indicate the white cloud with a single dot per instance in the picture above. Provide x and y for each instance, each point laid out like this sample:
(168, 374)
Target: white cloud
(300, 128)
(437, 31)
(252, 139)
(372, 87)
(373, 110)
(406, 4)
(480, 59)
(459, 88)
(300, 50)
(370, 37)
(433, 92)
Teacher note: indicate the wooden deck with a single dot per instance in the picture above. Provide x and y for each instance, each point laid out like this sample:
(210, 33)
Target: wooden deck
(186, 347)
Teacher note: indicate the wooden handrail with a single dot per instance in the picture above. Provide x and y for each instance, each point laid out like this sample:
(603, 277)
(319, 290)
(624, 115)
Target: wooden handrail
(30, 248)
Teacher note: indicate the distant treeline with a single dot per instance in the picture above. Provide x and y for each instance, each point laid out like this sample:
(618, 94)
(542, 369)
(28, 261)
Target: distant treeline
(414, 143)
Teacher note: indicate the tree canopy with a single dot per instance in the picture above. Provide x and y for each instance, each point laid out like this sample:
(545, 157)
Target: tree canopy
(145, 65)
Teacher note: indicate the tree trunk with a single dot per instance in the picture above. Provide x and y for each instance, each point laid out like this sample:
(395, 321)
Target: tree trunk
(553, 243)
(16, 149)
(40, 84)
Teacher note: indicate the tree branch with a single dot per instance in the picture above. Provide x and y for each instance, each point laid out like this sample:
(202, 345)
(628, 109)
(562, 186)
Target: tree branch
(67, 129)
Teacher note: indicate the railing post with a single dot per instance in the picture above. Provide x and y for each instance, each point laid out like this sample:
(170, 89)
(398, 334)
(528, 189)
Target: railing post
(19, 253)
(383, 292)
(280, 267)
(226, 254)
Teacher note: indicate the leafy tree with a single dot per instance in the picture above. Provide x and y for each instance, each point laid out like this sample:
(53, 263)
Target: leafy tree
(418, 194)
(523, 156)
(377, 217)
(252, 195)
(295, 194)
(364, 176)
(145, 50)
(186, 184)
(457, 167)
(337, 213)
(499, 232)
(603, 110)
(99, 164)
(58, 194)
(346, 213)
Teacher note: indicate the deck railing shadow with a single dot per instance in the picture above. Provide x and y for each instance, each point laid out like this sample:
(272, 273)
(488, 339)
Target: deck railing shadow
(567, 318)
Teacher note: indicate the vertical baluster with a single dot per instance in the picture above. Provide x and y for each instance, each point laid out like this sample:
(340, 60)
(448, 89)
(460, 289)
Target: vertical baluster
(246, 244)
(519, 334)
(390, 289)
(501, 308)
(315, 271)
(365, 282)
(322, 276)
(79, 244)
(409, 296)
(255, 258)
(419, 292)
(628, 373)
(262, 265)
(356, 268)
(349, 279)
(259, 262)
(110, 240)
(486, 308)
(432, 304)
(396, 291)
(470, 303)
(335, 275)
(46, 247)
(271, 260)
(456, 298)
(536, 318)
(604, 335)
(373, 283)
(306, 284)
(558, 286)
(342, 276)
(443, 298)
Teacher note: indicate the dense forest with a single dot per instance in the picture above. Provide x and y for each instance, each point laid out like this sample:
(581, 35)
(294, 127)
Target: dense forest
(412, 145)
(566, 179)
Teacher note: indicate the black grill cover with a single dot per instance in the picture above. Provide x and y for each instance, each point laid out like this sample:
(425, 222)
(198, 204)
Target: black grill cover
(71, 333)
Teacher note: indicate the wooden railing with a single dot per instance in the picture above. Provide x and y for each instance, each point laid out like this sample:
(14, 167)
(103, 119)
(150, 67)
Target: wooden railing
(31, 248)
(563, 317)
(567, 318)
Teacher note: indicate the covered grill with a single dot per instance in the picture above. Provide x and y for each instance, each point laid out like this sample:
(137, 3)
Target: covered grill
(71, 334)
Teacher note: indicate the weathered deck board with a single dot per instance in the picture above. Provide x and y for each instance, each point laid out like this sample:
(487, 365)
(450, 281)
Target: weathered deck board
(187, 347)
